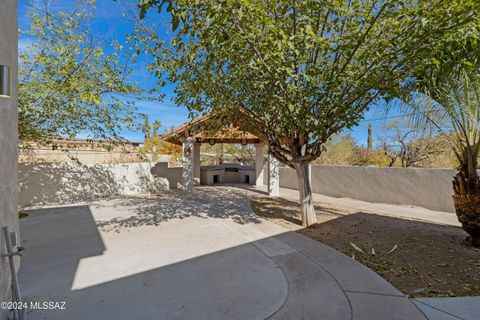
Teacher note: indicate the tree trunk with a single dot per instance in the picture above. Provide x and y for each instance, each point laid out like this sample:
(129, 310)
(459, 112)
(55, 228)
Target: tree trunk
(467, 207)
(466, 187)
(308, 211)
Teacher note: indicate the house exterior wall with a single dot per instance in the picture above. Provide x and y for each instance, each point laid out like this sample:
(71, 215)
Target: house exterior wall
(8, 139)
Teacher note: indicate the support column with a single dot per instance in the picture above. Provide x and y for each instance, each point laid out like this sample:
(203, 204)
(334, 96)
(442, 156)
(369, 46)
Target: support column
(273, 176)
(259, 164)
(310, 175)
(187, 161)
(196, 163)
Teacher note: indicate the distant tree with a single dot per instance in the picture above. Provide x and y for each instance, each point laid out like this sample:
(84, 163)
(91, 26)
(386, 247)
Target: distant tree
(155, 127)
(339, 151)
(344, 150)
(146, 128)
(298, 72)
(410, 146)
(72, 82)
(155, 146)
(220, 153)
(370, 137)
(244, 154)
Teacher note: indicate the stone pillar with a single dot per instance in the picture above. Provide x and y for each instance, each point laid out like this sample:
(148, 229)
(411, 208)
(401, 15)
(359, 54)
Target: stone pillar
(196, 163)
(259, 164)
(187, 161)
(273, 176)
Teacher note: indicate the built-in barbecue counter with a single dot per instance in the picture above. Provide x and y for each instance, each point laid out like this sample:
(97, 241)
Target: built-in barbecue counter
(228, 172)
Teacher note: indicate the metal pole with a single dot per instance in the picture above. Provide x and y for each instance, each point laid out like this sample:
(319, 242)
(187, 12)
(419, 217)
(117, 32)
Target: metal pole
(15, 286)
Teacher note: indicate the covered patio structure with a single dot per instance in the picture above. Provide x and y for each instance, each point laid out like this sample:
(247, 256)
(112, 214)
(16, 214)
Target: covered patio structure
(213, 129)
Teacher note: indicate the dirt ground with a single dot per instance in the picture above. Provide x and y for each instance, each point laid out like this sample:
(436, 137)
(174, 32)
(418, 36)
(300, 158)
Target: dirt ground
(430, 260)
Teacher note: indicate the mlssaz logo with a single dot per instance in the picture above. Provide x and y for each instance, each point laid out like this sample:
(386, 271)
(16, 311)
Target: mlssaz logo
(47, 305)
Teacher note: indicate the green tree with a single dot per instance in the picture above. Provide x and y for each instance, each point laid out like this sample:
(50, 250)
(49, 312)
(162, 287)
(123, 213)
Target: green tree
(297, 71)
(68, 82)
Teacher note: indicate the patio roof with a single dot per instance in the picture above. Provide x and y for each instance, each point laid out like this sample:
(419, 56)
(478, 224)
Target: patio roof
(212, 129)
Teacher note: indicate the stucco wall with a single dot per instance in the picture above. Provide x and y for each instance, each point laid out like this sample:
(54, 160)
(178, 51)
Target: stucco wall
(288, 177)
(87, 156)
(8, 139)
(60, 183)
(173, 175)
(428, 188)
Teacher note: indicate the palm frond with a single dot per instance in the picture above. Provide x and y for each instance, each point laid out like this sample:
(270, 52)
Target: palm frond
(452, 105)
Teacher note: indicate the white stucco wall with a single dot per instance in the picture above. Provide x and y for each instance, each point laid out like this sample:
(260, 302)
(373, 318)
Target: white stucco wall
(173, 175)
(60, 183)
(428, 188)
(8, 139)
(46, 154)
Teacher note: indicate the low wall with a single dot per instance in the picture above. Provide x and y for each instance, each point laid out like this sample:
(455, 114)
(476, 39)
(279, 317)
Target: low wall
(61, 183)
(173, 175)
(428, 188)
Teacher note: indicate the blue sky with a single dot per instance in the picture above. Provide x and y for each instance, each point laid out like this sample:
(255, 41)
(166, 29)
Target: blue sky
(111, 24)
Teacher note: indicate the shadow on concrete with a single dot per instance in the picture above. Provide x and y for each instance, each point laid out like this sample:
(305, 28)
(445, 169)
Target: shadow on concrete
(236, 278)
(60, 242)
(206, 202)
(55, 246)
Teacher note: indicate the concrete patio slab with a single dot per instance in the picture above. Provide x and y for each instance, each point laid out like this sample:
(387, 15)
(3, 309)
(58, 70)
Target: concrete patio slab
(367, 306)
(186, 268)
(350, 275)
(466, 308)
(434, 314)
(202, 257)
(313, 294)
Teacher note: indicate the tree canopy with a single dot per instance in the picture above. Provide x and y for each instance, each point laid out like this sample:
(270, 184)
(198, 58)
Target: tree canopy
(72, 82)
(298, 71)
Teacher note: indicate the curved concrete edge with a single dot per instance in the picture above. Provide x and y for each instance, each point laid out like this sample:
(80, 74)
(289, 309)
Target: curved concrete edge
(369, 295)
(467, 308)
(312, 293)
(350, 274)
(348, 289)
